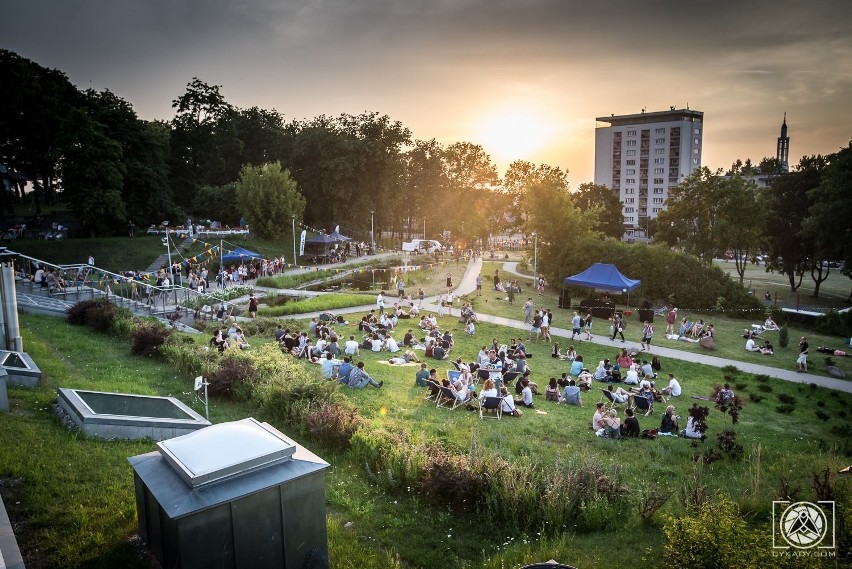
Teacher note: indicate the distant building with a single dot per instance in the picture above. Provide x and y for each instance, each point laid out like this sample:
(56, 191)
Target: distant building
(641, 156)
(782, 152)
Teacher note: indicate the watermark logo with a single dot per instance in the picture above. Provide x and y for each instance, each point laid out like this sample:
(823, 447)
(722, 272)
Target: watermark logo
(803, 525)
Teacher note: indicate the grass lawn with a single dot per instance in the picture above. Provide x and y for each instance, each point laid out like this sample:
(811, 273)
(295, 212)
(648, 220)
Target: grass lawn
(111, 253)
(72, 498)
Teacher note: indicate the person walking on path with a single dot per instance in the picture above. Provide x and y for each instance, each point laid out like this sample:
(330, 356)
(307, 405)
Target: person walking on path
(575, 326)
(647, 334)
(529, 305)
(479, 284)
(802, 361)
(617, 327)
(587, 324)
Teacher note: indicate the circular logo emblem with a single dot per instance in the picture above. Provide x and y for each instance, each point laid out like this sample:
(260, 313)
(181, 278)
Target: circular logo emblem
(803, 525)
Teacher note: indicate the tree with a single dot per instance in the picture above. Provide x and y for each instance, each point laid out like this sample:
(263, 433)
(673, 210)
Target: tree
(829, 224)
(518, 178)
(786, 204)
(741, 221)
(267, 196)
(596, 197)
(692, 215)
(93, 176)
(424, 178)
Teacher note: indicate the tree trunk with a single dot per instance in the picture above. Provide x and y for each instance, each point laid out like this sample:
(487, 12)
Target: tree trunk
(818, 278)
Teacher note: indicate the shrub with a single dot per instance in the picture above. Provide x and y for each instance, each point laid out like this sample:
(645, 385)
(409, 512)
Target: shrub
(77, 313)
(756, 398)
(762, 378)
(148, 337)
(765, 388)
(726, 447)
(785, 409)
(786, 399)
(188, 357)
(288, 399)
(822, 415)
(234, 378)
(730, 369)
(783, 336)
(98, 314)
(741, 386)
(456, 480)
(652, 497)
(714, 537)
(334, 424)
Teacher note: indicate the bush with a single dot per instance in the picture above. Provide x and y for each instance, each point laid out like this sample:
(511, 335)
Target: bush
(148, 337)
(765, 388)
(714, 537)
(289, 399)
(786, 399)
(785, 409)
(762, 378)
(822, 415)
(234, 378)
(334, 424)
(97, 314)
(188, 357)
(756, 398)
(783, 337)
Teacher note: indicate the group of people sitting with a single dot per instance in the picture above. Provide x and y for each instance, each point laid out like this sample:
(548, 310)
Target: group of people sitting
(606, 423)
(223, 338)
(693, 331)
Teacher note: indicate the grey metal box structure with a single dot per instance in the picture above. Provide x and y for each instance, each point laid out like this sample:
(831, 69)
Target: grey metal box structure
(271, 513)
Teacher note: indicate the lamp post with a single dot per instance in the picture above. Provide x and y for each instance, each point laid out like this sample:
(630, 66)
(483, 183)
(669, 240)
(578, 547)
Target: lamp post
(295, 259)
(167, 243)
(628, 297)
(372, 231)
(535, 260)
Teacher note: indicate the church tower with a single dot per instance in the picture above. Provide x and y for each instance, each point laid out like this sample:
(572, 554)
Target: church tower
(782, 153)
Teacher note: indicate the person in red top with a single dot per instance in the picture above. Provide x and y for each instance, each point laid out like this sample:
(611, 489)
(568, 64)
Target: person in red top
(671, 318)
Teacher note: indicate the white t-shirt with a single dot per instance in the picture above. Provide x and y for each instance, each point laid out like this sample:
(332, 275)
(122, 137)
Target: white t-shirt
(488, 393)
(750, 345)
(392, 345)
(674, 385)
(527, 394)
(377, 345)
(508, 404)
(351, 347)
(632, 377)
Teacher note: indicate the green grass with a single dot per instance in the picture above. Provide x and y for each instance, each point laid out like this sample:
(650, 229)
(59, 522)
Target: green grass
(317, 303)
(75, 495)
(110, 253)
(833, 293)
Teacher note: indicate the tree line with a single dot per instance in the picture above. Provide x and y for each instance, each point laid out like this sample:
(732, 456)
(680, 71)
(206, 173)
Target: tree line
(89, 150)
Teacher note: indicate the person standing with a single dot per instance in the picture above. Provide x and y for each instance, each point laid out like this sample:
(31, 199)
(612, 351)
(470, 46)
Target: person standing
(528, 310)
(671, 318)
(647, 334)
(400, 287)
(420, 296)
(449, 280)
(617, 327)
(380, 302)
(479, 284)
(252, 307)
(802, 361)
(588, 326)
(575, 326)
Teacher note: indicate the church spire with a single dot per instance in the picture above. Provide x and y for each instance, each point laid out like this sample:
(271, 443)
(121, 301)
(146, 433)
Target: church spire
(782, 152)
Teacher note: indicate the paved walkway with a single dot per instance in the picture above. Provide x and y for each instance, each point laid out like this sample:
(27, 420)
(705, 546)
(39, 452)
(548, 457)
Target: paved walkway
(512, 267)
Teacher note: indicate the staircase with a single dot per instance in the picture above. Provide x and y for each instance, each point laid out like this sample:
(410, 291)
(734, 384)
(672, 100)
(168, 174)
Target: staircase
(163, 259)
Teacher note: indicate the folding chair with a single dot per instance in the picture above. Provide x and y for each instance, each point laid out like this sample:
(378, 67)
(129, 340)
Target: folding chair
(510, 376)
(643, 404)
(482, 374)
(453, 375)
(491, 404)
(433, 390)
(456, 365)
(445, 395)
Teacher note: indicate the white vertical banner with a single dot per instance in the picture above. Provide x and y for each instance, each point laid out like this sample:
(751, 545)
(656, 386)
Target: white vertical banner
(337, 229)
(302, 243)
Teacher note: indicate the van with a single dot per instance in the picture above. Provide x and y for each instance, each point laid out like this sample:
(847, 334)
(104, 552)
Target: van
(422, 245)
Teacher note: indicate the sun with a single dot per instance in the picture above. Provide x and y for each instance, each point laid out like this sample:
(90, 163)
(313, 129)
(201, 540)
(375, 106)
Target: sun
(513, 133)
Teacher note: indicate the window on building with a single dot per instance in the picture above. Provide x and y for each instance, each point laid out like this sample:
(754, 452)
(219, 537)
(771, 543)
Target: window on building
(658, 209)
(631, 171)
(629, 200)
(631, 162)
(659, 151)
(660, 131)
(697, 141)
(631, 133)
(630, 180)
(629, 209)
(659, 160)
(659, 141)
(631, 153)
(658, 181)
(658, 200)
(697, 131)
(695, 151)
(659, 170)
(658, 190)
(695, 160)
(628, 190)
(631, 143)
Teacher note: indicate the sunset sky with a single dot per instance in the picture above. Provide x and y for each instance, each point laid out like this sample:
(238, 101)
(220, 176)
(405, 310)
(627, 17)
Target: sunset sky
(525, 79)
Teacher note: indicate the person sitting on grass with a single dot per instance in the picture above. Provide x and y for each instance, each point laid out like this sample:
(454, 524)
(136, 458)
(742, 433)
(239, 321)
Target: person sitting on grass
(344, 370)
(750, 346)
(598, 422)
(507, 405)
(359, 379)
(669, 423)
(584, 380)
(612, 425)
(770, 324)
(571, 395)
(551, 392)
(630, 428)
(526, 394)
(327, 365)
(767, 349)
(421, 376)
(673, 389)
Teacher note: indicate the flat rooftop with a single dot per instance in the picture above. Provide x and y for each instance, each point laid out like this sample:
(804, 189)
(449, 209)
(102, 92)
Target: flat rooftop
(654, 117)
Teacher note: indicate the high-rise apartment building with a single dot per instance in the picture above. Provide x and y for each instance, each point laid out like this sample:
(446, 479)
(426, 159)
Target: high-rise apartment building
(641, 156)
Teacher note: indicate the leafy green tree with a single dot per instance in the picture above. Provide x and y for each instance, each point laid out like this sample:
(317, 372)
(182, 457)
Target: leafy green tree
(93, 176)
(600, 199)
(741, 221)
(471, 178)
(830, 219)
(424, 179)
(518, 178)
(786, 204)
(267, 196)
(692, 215)
(217, 203)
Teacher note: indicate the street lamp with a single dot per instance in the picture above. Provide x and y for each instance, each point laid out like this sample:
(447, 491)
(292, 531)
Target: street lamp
(166, 242)
(295, 259)
(372, 231)
(535, 260)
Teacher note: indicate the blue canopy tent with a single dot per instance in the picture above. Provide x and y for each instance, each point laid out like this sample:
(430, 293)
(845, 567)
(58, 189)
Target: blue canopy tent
(240, 254)
(602, 276)
(320, 246)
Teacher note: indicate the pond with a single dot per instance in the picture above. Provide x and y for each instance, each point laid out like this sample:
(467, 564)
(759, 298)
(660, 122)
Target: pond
(360, 281)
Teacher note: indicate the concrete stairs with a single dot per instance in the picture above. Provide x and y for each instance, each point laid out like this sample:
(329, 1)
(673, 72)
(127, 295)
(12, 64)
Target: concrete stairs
(163, 259)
